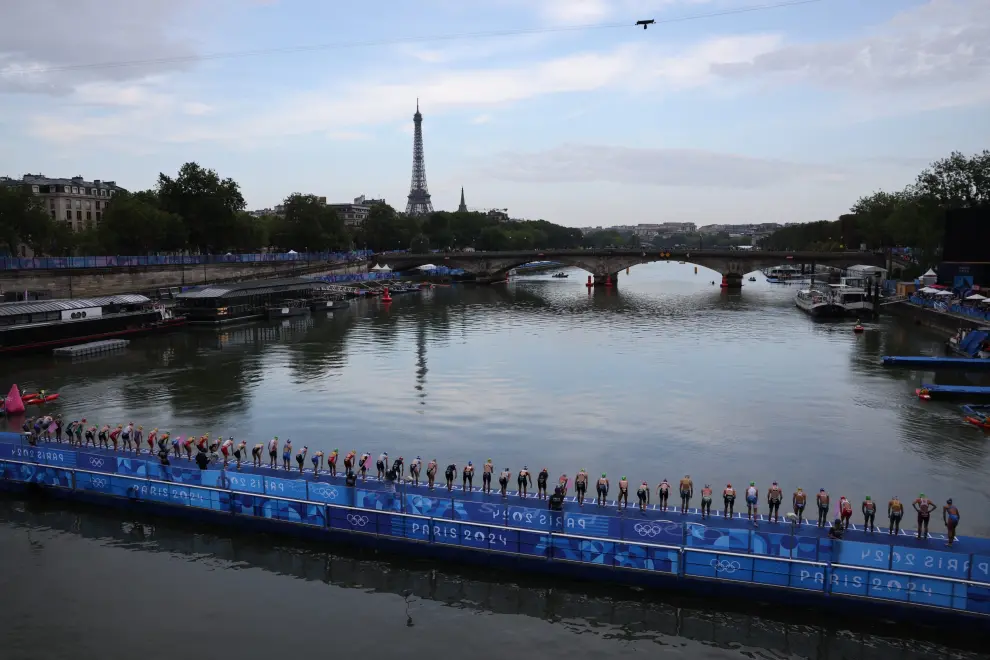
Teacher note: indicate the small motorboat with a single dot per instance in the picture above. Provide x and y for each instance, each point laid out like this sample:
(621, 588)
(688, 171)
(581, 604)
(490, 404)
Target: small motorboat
(978, 416)
(560, 275)
(36, 399)
(752, 279)
(923, 394)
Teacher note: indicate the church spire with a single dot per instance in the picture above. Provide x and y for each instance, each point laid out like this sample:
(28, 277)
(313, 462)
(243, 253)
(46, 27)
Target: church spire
(463, 207)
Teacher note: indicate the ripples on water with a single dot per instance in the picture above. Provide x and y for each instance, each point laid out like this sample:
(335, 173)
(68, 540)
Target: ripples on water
(186, 588)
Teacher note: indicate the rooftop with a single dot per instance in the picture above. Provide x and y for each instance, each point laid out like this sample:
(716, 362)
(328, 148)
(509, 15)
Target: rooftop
(61, 305)
(251, 288)
(42, 180)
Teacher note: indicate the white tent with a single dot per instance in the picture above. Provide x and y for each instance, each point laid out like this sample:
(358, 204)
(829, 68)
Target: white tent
(426, 267)
(930, 273)
(976, 296)
(927, 289)
(930, 277)
(386, 269)
(376, 267)
(944, 293)
(292, 252)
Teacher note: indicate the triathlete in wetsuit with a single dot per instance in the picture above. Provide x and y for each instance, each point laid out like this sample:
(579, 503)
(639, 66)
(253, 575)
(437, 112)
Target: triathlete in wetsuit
(503, 482)
(562, 484)
(663, 492)
(823, 501)
(91, 436)
(177, 446)
(350, 479)
(286, 455)
(225, 449)
(349, 461)
(431, 473)
(623, 493)
(399, 468)
(845, 511)
(152, 439)
(752, 501)
(58, 428)
(273, 452)
(602, 488)
(541, 483)
(381, 464)
(728, 501)
(799, 500)
(643, 494)
(125, 437)
(301, 458)
(706, 501)
(80, 428)
(869, 514)
(467, 477)
(187, 445)
(115, 435)
(414, 469)
(363, 465)
(895, 511)
(774, 496)
(924, 507)
(317, 461)
(136, 438)
(332, 462)
(450, 473)
(686, 489)
(950, 516)
(524, 480)
(486, 476)
(256, 454)
(581, 485)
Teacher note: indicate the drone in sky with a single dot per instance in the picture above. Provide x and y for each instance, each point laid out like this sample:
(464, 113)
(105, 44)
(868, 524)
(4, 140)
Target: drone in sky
(646, 23)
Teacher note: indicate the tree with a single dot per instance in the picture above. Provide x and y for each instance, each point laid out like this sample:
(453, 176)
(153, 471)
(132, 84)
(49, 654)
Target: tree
(956, 181)
(309, 224)
(420, 244)
(384, 229)
(493, 238)
(23, 219)
(133, 224)
(207, 204)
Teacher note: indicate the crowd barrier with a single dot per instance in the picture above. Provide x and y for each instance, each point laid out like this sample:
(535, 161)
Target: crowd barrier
(356, 277)
(875, 570)
(59, 263)
(963, 310)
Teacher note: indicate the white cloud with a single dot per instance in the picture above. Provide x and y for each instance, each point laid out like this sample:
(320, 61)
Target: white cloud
(481, 119)
(582, 163)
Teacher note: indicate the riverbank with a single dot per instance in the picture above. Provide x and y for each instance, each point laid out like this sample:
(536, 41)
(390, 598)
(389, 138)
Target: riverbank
(943, 321)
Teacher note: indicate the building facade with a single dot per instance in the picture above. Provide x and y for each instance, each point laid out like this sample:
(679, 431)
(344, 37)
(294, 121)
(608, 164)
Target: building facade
(355, 213)
(77, 202)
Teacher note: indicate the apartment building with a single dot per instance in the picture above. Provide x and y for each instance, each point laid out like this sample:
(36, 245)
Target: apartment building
(75, 201)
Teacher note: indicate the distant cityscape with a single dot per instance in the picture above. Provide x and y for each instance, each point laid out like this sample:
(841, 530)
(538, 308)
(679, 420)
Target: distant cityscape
(80, 204)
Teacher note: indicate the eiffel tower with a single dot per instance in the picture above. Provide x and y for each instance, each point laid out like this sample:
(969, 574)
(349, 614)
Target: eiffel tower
(419, 195)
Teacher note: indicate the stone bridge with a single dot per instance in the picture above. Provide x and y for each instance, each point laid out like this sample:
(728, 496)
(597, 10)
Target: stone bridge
(605, 265)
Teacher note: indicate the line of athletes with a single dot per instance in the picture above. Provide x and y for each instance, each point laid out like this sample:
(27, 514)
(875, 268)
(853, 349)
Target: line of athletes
(133, 437)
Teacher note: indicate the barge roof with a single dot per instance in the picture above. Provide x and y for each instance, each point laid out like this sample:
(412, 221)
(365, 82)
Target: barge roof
(250, 288)
(65, 304)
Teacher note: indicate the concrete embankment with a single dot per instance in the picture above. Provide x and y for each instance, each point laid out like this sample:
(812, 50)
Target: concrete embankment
(944, 321)
(90, 282)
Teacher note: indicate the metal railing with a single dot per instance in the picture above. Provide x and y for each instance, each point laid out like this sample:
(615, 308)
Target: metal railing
(725, 565)
(117, 261)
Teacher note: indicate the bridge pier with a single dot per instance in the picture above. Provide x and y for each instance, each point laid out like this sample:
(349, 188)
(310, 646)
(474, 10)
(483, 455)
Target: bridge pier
(609, 279)
(732, 281)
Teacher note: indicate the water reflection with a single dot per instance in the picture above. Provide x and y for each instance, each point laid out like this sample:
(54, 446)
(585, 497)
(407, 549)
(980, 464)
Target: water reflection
(613, 614)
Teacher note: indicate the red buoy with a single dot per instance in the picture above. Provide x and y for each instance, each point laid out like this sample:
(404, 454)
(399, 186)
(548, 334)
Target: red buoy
(385, 296)
(608, 280)
(589, 284)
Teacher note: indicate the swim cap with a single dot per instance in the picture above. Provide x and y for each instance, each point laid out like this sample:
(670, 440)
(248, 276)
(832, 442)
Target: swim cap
(525, 467)
(469, 463)
(821, 490)
(775, 483)
(922, 495)
(385, 453)
(603, 475)
(231, 437)
(752, 483)
(949, 501)
(417, 456)
(335, 449)
(728, 485)
(489, 460)
(276, 437)
(867, 497)
(623, 478)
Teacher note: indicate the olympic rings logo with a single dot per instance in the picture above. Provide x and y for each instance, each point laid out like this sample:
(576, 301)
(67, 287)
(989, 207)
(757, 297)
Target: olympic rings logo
(651, 530)
(328, 493)
(356, 520)
(724, 566)
(95, 462)
(99, 482)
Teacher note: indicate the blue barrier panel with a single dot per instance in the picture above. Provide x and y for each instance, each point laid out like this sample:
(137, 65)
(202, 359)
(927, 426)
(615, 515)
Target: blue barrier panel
(930, 562)
(99, 483)
(978, 599)
(378, 500)
(248, 505)
(244, 483)
(534, 543)
(767, 571)
(364, 522)
(38, 474)
(784, 545)
(131, 467)
(592, 525)
(537, 519)
(596, 552)
(499, 540)
(662, 532)
(183, 476)
(854, 553)
(46, 455)
(126, 486)
(214, 478)
(319, 491)
(293, 488)
(723, 567)
(667, 561)
(485, 513)
(287, 511)
(849, 581)
(448, 533)
(630, 555)
(805, 576)
(980, 570)
(416, 529)
(434, 507)
(714, 538)
(96, 462)
(315, 514)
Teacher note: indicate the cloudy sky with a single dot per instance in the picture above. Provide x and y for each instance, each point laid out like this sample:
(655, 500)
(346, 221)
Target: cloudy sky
(782, 114)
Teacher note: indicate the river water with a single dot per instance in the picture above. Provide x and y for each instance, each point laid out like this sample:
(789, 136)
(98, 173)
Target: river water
(664, 376)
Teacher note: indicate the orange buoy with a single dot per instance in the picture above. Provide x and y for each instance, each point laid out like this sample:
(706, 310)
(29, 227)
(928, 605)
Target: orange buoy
(385, 296)
(923, 394)
(858, 328)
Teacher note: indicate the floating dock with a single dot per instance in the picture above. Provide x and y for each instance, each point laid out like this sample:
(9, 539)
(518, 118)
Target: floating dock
(955, 390)
(92, 348)
(872, 572)
(934, 362)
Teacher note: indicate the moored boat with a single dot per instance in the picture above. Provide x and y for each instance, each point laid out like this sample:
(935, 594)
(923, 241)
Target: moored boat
(288, 308)
(818, 303)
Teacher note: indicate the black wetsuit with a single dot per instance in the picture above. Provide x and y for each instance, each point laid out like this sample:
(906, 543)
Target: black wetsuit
(869, 514)
(773, 501)
(486, 480)
(556, 502)
(541, 483)
(351, 479)
(202, 460)
(822, 511)
(449, 473)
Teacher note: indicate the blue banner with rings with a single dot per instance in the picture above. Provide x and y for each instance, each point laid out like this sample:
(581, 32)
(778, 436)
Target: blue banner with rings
(46, 455)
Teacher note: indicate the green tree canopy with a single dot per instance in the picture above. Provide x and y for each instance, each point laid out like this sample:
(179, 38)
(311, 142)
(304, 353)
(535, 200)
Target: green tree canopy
(207, 204)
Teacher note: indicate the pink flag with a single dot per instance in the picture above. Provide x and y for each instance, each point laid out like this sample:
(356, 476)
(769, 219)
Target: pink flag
(52, 427)
(13, 403)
